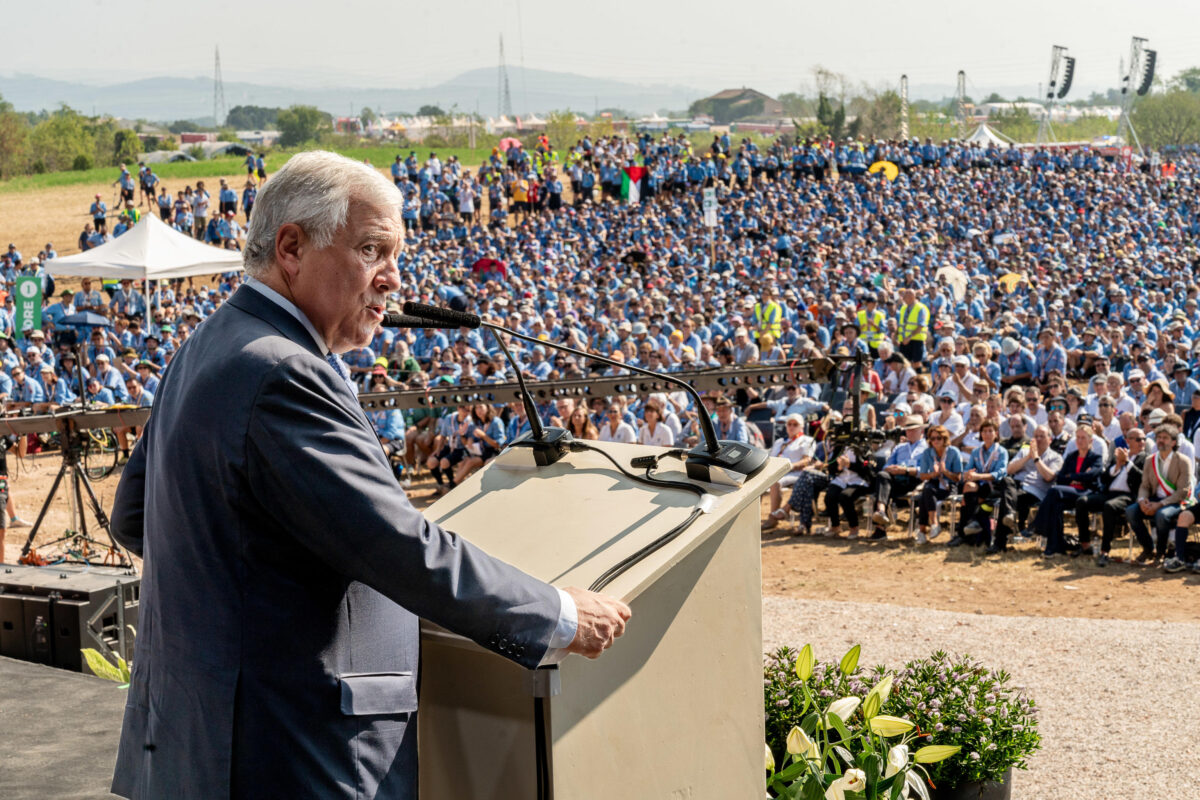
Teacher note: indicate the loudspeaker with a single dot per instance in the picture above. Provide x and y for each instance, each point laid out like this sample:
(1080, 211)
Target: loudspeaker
(49, 614)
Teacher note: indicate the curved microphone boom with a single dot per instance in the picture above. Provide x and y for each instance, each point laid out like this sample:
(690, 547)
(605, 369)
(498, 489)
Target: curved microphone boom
(714, 460)
(546, 444)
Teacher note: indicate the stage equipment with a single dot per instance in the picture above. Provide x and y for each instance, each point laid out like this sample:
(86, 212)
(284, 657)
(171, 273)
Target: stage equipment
(48, 614)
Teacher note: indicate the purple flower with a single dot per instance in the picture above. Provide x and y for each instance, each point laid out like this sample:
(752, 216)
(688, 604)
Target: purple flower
(974, 756)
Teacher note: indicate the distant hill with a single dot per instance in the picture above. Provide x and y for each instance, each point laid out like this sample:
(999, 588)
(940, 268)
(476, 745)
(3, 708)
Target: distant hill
(167, 99)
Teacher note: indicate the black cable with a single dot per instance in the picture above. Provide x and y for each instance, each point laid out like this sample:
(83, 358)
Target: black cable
(647, 479)
(613, 572)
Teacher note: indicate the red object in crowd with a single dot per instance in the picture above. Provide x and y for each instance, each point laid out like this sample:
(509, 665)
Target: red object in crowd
(490, 265)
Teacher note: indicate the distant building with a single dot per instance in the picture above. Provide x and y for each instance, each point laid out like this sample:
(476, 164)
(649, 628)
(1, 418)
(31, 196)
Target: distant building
(258, 138)
(196, 138)
(731, 105)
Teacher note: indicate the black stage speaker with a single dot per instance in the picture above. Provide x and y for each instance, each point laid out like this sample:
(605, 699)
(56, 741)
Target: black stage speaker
(49, 614)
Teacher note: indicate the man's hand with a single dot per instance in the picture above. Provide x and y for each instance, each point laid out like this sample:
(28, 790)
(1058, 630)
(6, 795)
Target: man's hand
(601, 620)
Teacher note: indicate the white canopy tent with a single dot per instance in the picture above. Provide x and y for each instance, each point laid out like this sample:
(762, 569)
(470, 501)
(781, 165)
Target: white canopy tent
(985, 135)
(151, 250)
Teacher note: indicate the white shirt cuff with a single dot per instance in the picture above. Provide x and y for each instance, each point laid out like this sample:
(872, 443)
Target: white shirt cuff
(564, 632)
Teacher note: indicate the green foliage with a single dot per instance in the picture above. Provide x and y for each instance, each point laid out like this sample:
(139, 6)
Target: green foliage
(561, 129)
(1188, 80)
(835, 748)
(430, 111)
(58, 140)
(998, 723)
(104, 669)
(126, 147)
(962, 703)
(301, 124)
(250, 118)
(14, 140)
(1172, 118)
(784, 696)
(81, 163)
(367, 115)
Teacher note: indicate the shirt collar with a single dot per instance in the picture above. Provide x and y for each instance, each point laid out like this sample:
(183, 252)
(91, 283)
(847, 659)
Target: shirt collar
(290, 307)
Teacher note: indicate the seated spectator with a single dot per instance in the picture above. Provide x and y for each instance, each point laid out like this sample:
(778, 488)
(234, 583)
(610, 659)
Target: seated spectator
(1077, 476)
(580, 426)
(799, 449)
(1117, 486)
(899, 473)
(986, 467)
(1031, 472)
(1167, 482)
(654, 431)
(616, 429)
(941, 468)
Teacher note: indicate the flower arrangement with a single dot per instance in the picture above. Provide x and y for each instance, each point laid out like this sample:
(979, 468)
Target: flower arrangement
(842, 746)
(963, 703)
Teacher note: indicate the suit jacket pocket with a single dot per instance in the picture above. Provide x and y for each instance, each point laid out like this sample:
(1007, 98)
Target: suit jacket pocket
(370, 693)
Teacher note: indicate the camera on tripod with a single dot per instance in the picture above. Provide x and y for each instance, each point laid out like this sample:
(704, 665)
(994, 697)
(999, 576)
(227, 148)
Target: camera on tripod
(849, 434)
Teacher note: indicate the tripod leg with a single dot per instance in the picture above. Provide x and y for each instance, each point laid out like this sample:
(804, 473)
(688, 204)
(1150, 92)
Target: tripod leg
(76, 477)
(45, 507)
(101, 517)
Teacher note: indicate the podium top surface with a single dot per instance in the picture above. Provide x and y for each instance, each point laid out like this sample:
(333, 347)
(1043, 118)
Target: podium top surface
(570, 522)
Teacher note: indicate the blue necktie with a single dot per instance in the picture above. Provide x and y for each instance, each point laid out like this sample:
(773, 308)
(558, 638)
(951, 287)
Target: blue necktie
(339, 367)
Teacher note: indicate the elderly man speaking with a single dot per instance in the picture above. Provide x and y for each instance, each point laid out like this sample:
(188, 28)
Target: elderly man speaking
(285, 571)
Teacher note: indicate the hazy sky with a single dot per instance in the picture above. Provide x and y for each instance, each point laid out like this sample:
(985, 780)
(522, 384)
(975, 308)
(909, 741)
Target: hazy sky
(769, 44)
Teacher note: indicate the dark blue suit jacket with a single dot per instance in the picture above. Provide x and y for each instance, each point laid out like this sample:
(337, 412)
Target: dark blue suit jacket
(284, 574)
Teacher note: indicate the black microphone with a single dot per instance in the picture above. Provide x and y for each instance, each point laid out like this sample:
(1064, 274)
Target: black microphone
(391, 320)
(545, 445)
(714, 460)
(452, 318)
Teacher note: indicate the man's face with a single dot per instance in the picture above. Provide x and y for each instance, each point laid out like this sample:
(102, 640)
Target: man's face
(1135, 441)
(343, 288)
(1041, 437)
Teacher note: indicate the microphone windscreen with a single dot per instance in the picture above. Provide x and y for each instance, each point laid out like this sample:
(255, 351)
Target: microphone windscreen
(455, 319)
(391, 320)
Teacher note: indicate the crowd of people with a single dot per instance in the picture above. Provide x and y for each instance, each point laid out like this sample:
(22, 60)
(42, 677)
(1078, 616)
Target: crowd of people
(189, 210)
(1014, 307)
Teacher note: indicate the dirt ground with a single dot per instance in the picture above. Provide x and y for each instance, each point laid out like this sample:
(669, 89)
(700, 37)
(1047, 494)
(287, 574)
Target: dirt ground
(1017, 583)
(29, 219)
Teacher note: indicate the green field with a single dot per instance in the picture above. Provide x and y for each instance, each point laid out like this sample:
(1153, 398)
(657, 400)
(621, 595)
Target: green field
(378, 156)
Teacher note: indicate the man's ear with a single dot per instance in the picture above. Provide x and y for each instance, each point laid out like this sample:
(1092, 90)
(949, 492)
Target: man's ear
(290, 245)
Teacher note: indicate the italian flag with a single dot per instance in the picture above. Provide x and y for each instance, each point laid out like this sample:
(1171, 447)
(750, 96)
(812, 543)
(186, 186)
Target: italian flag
(631, 180)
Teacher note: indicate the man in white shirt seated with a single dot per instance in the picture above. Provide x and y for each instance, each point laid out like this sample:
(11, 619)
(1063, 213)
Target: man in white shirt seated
(899, 473)
(1030, 475)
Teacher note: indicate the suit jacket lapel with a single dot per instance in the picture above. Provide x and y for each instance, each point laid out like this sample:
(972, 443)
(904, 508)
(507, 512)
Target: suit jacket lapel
(253, 302)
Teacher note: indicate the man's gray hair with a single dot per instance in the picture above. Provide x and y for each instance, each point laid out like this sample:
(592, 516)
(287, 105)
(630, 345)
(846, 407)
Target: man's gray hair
(312, 190)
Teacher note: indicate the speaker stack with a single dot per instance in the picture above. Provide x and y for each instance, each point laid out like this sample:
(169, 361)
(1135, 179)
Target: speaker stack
(49, 614)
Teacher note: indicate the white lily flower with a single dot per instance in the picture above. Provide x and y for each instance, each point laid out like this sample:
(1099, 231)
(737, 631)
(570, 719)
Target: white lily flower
(799, 744)
(855, 780)
(897, 760)
(770, 760)
(844, 709)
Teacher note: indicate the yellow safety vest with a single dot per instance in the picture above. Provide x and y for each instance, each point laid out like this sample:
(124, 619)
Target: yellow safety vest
(768, 322)
(872, 329)
(910, 322)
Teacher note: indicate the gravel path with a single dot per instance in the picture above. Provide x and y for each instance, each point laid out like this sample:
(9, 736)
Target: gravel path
(1118, 698)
